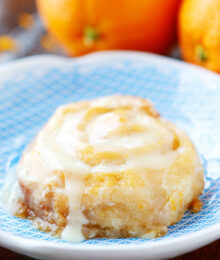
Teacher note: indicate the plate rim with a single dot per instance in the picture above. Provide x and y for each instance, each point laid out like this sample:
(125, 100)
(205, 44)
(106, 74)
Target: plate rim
(98, 57)
(168, 248)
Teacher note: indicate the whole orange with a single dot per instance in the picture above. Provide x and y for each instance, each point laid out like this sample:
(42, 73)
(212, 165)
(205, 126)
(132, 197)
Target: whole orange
(199, 32)
(83, 26)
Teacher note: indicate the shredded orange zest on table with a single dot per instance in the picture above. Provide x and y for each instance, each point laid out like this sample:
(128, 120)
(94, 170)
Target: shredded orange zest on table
(48, 42)
(7, 43)
(26, 20)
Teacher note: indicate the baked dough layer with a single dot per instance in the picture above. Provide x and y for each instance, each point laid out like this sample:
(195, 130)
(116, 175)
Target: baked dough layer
(109, 167)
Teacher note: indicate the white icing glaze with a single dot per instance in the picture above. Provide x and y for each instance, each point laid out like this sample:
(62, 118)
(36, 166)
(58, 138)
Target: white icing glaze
(148, 145)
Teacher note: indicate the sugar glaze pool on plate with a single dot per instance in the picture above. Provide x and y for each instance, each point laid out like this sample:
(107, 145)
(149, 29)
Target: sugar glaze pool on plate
(32, 88)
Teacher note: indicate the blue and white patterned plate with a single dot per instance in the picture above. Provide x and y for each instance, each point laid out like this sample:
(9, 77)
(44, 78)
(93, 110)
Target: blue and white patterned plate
(32, 88)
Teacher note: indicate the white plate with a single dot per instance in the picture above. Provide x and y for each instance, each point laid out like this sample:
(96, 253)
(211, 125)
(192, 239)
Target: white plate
(189, 96)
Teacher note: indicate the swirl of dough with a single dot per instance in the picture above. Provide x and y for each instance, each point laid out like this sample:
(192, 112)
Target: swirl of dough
(110, 167)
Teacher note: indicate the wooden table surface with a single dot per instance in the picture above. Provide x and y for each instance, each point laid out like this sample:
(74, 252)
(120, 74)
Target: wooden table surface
(211, 252)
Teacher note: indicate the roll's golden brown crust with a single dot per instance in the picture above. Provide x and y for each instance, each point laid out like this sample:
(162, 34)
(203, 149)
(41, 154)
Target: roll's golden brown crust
(110, 167)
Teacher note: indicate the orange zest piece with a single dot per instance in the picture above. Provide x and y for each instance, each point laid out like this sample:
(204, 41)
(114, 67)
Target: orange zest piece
(196, 206)
(172, 203)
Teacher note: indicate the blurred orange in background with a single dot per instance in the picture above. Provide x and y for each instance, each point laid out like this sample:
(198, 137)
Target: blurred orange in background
(199, 32)
(85, 26)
